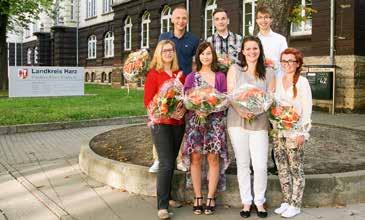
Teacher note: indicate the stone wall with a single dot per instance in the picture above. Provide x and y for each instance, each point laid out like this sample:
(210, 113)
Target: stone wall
(94, 74)
(350, 82)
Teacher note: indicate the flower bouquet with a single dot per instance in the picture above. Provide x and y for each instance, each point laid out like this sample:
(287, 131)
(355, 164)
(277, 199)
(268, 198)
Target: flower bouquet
(164, 103)
(224, 62)
(270, 63)
(204, 100)
(284, 119)
(136, 65)
(251, 100)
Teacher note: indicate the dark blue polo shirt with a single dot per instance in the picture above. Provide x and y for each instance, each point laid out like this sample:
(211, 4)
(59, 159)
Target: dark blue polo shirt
(185, 49)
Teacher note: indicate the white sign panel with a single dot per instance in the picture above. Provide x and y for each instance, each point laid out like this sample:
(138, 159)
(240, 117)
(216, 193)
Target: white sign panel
(34, 81)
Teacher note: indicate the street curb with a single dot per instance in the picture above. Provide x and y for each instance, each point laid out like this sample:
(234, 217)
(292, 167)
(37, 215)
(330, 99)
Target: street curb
(321, 189)
(13, 129)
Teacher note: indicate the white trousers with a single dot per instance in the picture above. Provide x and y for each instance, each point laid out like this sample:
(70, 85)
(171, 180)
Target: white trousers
(250, 146)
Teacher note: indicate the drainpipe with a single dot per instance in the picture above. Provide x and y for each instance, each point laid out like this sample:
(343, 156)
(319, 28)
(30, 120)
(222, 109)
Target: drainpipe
(332, 33)
(77, 31)
(187, 8)
(332, 55)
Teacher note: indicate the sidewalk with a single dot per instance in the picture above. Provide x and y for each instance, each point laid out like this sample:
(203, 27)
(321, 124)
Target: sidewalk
(45, 182)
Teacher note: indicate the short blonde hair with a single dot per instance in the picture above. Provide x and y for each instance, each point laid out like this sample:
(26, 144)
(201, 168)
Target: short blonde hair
(157, 62)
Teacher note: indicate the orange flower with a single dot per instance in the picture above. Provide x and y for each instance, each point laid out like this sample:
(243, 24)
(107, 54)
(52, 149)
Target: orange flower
(276, 111)
(196, 100)
(164, 109)
(212, 100)
(287, 125)
(170, 93)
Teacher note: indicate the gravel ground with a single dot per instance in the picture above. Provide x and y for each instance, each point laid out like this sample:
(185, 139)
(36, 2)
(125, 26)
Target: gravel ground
(329, 150)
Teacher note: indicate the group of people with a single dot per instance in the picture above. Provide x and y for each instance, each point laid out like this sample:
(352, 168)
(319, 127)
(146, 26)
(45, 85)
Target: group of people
(179, 54)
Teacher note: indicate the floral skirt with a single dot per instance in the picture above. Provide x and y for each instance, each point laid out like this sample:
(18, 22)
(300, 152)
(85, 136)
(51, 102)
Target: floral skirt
(209, 137)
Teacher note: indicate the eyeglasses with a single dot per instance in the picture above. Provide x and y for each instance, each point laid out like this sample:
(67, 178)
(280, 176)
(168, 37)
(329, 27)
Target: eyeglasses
(289, 62)
(263, 18)
(168, 51)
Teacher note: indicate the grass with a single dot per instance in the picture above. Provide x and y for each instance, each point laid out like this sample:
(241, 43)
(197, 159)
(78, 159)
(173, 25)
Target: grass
(99, 102)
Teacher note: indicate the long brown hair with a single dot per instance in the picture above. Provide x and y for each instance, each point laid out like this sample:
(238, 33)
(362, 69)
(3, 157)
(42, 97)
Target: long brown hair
(202, 46)
(299, 58)
(260, 65)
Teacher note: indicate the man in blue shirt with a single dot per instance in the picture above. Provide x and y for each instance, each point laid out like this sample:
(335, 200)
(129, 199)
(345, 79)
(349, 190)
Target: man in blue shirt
(185, 42)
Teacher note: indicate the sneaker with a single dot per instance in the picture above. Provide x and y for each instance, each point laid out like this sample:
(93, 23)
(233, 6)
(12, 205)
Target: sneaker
(154, 167)
(283, 207)
(163, 214)
(181, 167)
(175, 204)
(290, 212)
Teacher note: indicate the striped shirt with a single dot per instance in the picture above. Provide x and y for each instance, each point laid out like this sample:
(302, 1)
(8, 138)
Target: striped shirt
(230, 45)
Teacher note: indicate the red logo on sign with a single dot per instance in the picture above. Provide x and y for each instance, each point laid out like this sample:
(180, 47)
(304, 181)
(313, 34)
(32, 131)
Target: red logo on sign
(23, 73)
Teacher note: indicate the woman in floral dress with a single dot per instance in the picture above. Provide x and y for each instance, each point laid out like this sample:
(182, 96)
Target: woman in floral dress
(205, 143)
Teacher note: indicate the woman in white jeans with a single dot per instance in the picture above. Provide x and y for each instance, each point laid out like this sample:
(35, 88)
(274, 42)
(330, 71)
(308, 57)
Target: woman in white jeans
(250, 138)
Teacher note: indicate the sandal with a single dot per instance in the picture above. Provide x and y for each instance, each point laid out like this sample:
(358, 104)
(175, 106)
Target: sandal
(198, 208)
(209, 209)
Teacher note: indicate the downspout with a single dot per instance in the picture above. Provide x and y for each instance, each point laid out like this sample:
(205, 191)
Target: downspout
(187, 8)
(332, 54)
(332, 33)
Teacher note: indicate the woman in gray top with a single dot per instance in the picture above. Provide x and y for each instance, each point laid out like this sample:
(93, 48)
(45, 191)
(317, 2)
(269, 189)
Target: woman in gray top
(249, 135)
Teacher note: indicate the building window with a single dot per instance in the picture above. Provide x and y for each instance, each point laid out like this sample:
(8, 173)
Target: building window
(248, 19)
(87, 77)
(145, 30)
(305, 27)
(209, 29)
(36, 55)
(91, 48)
(107, 6)
(29, 56)
(90, 8)
(128, 33)
(110, 77)
(72, 10)
(109, 44)
(92, 77)
(165, 19)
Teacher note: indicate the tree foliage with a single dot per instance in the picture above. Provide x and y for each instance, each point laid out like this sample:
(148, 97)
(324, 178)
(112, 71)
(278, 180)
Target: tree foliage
(15, 13)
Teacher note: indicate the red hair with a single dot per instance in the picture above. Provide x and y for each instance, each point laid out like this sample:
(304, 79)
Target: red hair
(299, 57)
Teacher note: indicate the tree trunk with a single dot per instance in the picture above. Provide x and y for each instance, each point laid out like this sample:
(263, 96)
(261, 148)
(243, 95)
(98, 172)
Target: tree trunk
(3, 53)
(281, 10)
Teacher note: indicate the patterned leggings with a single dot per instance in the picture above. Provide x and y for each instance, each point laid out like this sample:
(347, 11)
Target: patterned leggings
(290, 163)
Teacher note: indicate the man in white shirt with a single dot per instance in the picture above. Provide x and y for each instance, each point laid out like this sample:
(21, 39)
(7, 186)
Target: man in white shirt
(272, 42)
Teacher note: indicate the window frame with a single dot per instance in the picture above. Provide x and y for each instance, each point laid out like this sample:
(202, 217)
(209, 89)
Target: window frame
(166, 15)
(302, 26)
(210, 5)
(35, 57)
(107, 6)
(145, 22)
(128, 28)
(109, 44)
(253, 16)
(91, 47)
(29, 56)
(90, 8)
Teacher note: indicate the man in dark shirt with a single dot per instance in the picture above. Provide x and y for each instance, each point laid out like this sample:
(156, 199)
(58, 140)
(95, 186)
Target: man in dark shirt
(185, 42)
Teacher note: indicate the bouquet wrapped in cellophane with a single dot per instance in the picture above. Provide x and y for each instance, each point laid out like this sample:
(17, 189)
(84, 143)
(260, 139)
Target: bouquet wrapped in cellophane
(164, 103)
(284, 119)
(250, 99)
(136, 65)
(205, 100)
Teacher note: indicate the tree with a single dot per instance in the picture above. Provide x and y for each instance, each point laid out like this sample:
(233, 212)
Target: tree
(286, 12)
(16, 13)
(281, 10)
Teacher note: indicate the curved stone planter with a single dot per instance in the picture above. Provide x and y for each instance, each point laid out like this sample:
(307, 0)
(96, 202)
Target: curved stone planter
(320, 190)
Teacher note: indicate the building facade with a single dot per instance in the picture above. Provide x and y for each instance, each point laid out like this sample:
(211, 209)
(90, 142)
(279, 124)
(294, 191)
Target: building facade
(108, 30)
